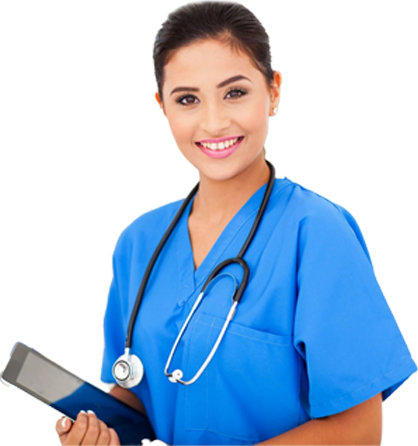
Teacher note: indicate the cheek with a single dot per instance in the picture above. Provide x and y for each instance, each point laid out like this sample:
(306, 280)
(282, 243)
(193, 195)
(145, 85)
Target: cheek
(181, 129)
(255, 118)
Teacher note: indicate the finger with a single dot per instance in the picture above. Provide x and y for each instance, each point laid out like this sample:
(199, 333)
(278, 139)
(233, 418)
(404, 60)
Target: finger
(62, 427)
(63, 424)
(93, 430)
(78, 431)
(114, 439)
(104, 437)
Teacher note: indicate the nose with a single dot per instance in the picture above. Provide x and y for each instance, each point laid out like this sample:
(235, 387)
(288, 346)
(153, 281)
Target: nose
(215, 120)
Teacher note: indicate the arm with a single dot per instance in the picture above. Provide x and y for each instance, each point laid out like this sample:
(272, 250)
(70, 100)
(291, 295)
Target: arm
(359, 425)
(128, 397)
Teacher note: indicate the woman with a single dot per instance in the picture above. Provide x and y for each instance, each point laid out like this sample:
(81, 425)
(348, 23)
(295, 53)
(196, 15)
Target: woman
(313, 348)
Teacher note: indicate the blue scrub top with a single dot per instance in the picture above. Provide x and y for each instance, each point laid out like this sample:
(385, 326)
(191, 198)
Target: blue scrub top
(312, 336)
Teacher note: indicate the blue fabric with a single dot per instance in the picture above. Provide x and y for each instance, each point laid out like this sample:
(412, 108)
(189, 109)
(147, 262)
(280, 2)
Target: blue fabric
(312, 336)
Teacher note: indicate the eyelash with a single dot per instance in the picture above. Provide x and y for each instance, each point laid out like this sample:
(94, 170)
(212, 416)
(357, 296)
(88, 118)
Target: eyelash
(241, 92)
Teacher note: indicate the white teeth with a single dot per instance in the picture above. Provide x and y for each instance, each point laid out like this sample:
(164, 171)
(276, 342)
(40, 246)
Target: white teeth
(220, 146)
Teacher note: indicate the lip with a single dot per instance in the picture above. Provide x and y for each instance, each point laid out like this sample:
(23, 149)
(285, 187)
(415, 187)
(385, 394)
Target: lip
(216, 141)
(221, 153)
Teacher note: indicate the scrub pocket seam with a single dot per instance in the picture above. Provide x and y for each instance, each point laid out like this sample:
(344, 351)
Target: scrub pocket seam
(247, 332)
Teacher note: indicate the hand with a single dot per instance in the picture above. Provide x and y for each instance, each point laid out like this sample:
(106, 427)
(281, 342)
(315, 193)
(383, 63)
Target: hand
(86, 430)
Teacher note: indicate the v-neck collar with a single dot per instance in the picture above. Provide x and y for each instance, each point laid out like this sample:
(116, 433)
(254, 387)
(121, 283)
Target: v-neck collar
(189, 278)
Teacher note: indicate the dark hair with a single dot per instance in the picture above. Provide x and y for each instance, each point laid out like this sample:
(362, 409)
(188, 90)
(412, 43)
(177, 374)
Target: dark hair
(227, 22)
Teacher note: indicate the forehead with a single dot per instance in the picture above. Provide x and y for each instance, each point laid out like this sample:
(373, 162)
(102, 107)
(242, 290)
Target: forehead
(207, 62)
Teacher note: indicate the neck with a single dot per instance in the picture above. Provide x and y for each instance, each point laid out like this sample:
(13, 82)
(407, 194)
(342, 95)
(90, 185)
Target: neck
(218, 201)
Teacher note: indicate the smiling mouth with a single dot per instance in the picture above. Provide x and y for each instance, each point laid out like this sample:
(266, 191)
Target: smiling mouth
(240, 138)
(221, 145)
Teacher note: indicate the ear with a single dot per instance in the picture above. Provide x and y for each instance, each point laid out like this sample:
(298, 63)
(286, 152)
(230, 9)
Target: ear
(160, 102)
(276, 86)
(156, 97)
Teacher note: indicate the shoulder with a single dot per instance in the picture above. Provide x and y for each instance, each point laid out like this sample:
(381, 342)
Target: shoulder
(148, 228)
(309, 207)
(307, 204)
(320, 219)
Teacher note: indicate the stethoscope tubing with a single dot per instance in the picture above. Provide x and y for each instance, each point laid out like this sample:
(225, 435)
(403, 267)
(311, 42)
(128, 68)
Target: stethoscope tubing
(239, 259)
(140, 295)
(237, 295)
(172, 376)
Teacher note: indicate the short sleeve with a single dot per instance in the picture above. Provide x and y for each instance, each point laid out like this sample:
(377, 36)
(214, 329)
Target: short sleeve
(351, 346)
(114, 334)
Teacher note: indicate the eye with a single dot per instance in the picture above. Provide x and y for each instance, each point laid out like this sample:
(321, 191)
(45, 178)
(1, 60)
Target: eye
(187, 99)
(236, 93)
(238, 90)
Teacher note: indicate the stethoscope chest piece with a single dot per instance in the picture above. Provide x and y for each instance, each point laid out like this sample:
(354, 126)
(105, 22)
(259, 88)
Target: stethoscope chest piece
(128, 370)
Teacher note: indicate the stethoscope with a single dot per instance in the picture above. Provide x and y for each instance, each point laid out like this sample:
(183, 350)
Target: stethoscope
(128, 370)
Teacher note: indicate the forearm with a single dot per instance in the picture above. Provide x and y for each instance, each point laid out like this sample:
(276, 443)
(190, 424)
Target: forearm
(128, 397)
(321, 432)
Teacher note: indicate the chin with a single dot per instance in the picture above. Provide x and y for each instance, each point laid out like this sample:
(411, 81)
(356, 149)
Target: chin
(221, 172)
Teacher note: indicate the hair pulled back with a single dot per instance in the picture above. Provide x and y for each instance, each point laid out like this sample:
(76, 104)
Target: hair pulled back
(226, 22)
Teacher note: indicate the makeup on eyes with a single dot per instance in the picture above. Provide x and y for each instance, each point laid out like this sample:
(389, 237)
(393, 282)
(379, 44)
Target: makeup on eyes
(240, 93)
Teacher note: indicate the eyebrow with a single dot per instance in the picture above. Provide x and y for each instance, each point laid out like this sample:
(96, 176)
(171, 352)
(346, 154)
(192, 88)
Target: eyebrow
(239, 77)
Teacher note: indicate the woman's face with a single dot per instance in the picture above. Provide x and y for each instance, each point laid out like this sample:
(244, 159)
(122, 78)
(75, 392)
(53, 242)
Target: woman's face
(218, 105)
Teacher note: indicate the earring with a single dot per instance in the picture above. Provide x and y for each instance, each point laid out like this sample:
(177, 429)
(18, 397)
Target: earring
(275, 110)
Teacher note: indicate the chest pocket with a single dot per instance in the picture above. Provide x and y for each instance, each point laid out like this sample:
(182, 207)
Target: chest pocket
(249, 391)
